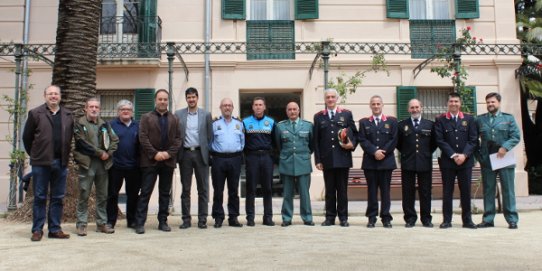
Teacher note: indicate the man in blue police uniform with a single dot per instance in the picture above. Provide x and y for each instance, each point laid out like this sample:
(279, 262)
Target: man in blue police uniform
(378, 139)
(416, 143)
(294, 140)
(499, 134)
(333, 156)
(457, 138)
(259, 162)
(227, 143)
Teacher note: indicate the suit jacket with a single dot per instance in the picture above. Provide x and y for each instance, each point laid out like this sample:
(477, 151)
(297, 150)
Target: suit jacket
(416, 145)
(504, 132)
(295, 146)
(374, 137)
(205, 128)
(456, 137)
(326, 143)
(149, 139)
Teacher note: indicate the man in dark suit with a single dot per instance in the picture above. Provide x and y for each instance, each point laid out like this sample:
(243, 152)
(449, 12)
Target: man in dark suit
(333, 156)
(193, 157)
(378, 138)
(160, 139)
(457, 137)
(416, 143)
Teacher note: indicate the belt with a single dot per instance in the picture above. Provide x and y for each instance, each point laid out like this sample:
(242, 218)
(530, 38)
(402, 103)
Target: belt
(259, 152)
(226, 155)
(192, 149)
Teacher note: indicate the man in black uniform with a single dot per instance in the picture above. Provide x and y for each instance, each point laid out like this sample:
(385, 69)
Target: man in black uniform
(416, 142)
(333, 156)
(378, 138)
(457, 137)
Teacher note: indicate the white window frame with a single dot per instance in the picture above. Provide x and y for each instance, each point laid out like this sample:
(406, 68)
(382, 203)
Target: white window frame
(270, 10)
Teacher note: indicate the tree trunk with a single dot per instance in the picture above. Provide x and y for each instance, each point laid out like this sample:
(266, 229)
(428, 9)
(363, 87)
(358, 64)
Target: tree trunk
(75, 73)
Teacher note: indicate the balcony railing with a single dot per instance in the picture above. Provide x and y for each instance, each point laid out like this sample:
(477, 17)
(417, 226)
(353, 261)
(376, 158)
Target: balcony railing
(133, 34)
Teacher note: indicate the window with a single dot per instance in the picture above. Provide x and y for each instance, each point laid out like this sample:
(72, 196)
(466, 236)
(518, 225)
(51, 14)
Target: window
(430, 9)
(426, 36)
(270, 9)
(270, 40)
(119, 17)
(143, 100)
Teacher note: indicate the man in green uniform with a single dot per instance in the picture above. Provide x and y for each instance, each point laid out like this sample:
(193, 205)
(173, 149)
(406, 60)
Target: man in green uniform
(499, 134)
(294, 140)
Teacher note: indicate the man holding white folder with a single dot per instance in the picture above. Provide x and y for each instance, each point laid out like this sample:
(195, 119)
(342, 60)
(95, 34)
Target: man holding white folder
(499, 134)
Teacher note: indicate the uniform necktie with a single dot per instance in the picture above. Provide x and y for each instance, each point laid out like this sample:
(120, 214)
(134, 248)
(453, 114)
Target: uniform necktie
(454, 118)
(491, 119)
(416, 124)
(377, 121)
(293, 125)
(332, 114)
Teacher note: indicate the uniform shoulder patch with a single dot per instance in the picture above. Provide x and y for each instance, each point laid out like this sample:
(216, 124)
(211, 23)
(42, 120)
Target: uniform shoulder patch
(282, 121)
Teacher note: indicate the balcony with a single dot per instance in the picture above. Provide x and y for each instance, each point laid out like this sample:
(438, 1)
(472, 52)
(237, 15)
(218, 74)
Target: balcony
(129, 37)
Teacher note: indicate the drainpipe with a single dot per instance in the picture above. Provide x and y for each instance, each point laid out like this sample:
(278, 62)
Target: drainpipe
(24, 79)
(207, 71)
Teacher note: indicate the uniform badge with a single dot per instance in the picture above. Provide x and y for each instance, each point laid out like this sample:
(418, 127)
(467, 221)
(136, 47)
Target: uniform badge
(219, 128)
(464, 123)
(266, 123)
(237, 126)
(341, 119)
(250, 127)
(387, 126)
(406, 128)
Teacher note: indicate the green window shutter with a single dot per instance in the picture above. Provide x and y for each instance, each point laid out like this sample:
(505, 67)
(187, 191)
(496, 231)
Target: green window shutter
(144, 101)
(404, 95)
(149, 27)
(397, 9)
(233, 9)
(467, 9)
(306, 9)
(270, 40)
(427, 35)
(468, 100)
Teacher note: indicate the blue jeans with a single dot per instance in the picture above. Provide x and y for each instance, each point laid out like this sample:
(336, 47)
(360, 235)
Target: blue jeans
(43, 177)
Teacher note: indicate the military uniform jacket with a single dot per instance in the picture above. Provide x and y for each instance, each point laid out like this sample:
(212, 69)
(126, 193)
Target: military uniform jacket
(504, 132)
(374, 137)
(416, 145)
(295, 146)
(327, 149)
(456, 137)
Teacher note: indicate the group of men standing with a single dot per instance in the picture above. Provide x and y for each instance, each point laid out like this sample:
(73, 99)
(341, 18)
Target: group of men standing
(140, 153)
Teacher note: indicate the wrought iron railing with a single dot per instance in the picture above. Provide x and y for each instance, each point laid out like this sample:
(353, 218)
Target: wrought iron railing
(119, 50)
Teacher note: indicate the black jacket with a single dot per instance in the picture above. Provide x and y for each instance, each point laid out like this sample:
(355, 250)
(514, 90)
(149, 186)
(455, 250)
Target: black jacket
(416, 145)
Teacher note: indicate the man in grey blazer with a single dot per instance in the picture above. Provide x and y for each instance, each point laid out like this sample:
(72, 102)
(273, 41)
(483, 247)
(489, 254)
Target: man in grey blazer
(193, 157)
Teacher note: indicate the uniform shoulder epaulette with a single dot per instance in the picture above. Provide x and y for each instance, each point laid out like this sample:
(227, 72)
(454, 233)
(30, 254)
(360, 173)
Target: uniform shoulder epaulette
(306, 121)
(391, 117)
(283, 121)
(216, 118)
(321, 112)
(441, 115)
(236, 118)
(508, 114)
(364, 118)
(345, 109)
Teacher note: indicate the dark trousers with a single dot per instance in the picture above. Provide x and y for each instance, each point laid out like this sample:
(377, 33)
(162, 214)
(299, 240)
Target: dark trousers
(226, 170)
(43, 177)
(149, 175)
(192, 162)
(408, 183)
(133, 184)
(464, 176)
(378, 179)
(336, 182)
(259, 168)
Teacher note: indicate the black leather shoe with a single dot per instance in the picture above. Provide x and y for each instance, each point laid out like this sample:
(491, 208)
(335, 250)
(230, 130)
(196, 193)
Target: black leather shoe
(512, 225)
(428, 225)
(445, 225)
(164, 227)
(140, 230)
(308, 223)
(202, 225)
(268, 222)
(344, 223)
(251, 223)
(218, 223)
(387, 224)
(485, 225)
(469, 225)
(286, 223)
(328, 223)
(370, 224)
(185, 225)
(235, 223)
(131, 225)
(410, 224)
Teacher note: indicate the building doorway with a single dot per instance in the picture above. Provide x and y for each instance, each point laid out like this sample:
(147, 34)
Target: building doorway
(276, 101)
